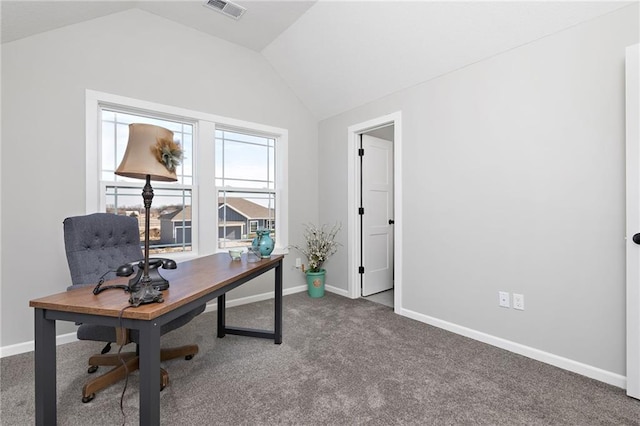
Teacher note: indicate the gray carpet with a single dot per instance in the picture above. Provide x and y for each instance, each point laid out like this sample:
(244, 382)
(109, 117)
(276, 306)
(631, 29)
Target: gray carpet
(342, 362)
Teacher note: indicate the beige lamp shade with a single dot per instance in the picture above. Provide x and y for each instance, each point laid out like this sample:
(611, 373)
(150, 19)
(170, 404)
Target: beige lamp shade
(140, 159)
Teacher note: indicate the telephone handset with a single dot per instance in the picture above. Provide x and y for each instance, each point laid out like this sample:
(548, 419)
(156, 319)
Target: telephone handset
(140, 295)
(157, 281)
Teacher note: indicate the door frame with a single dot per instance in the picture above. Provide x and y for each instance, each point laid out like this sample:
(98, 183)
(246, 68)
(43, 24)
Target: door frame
(633, 219)
(353, 196)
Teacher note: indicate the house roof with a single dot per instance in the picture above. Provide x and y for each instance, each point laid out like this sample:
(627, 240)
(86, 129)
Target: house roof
(247, 208)
(176, 216)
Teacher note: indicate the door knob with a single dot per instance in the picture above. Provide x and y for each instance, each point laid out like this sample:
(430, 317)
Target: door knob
(391, 222)
(636, 238)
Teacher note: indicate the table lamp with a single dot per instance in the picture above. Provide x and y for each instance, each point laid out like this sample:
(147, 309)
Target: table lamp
(151, 154)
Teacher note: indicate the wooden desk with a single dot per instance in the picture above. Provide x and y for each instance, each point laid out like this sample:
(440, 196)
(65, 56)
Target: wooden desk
(194, 283)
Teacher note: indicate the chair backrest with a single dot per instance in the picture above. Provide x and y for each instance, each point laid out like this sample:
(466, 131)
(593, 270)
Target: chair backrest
(98, 243)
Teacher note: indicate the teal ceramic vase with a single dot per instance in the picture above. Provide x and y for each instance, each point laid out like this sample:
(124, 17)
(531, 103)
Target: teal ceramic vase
(263, 243)
(315, 283)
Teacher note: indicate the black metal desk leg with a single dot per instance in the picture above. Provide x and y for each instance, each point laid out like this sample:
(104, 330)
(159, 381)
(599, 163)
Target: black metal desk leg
(45, 365)
(149, 373)
(278, 305)
(221, 313)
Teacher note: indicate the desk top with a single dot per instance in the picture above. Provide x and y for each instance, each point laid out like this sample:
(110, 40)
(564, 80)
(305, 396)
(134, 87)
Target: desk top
(190, 281)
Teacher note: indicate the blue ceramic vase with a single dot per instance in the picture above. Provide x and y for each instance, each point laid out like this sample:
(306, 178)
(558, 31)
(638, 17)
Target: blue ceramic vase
(263, 243)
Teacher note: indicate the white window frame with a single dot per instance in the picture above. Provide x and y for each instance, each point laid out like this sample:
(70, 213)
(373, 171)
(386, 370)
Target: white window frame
(135, 184)
(204, 199)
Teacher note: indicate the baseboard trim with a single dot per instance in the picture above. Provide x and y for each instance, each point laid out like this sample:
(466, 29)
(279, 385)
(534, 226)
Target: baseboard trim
(542, 356)
(335, 290)
(20, 348)
(213, 305)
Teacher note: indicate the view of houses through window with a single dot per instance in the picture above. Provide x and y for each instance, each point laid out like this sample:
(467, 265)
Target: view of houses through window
(245, 178)
(244, 182)
(170, 213)
(169, 222)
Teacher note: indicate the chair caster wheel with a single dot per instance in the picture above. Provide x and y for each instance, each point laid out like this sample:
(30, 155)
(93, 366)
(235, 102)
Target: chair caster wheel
(92, 369)
(89, 398)
(188, 357)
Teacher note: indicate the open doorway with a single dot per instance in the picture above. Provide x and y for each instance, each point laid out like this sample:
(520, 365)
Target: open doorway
(374, 213)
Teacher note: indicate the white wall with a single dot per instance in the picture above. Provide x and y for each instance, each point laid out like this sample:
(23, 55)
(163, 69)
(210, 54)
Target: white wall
(513, 179)
(133, 54)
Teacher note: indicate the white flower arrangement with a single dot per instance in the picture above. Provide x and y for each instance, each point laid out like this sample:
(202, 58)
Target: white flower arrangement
(321, 244)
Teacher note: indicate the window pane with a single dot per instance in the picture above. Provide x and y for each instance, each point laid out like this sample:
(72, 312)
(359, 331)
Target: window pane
(272, 168)
(120, 144)
(114, 145)
(185, 170)
(169, 218)
(127, 118)
(108, 116)
(170, 215)
(243, 137)
(244, 161)
(219, 160)
(108, 152)
(240, 214)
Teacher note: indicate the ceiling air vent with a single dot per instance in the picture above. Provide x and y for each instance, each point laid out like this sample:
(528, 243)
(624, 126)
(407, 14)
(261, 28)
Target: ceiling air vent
(226, 7)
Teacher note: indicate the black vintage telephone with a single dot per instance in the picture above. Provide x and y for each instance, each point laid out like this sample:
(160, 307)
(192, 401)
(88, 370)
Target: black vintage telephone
(157, 281)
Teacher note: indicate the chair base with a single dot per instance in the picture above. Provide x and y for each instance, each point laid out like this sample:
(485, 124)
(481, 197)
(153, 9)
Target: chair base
(131, 364)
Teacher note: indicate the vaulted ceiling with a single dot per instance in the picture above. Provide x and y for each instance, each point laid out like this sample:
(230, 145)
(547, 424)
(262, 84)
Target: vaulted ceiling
(336, 55)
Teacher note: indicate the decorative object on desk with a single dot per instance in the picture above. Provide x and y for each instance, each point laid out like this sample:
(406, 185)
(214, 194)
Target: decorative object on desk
(253, 254)
(236, 254)
(151, 154)
(263, 243)
(157, 281)
(320, 245)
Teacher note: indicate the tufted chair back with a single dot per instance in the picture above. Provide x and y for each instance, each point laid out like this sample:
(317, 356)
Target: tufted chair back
(99, 243)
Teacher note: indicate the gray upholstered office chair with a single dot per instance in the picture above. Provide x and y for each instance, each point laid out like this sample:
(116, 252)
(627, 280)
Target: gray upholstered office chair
(96, 244)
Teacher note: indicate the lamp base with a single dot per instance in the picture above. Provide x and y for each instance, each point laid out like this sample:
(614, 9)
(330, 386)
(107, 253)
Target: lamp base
(157, 281)
(146, 294)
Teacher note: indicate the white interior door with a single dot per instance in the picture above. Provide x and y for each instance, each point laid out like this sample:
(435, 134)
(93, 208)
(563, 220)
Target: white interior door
(633, 220)
(377, 220)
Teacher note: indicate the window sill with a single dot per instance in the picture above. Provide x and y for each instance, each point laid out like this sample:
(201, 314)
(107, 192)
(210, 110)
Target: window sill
(184, 257)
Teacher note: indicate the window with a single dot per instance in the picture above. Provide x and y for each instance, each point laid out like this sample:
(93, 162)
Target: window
(232, 177)
(245, 178)
(170, 213)
(253, 226)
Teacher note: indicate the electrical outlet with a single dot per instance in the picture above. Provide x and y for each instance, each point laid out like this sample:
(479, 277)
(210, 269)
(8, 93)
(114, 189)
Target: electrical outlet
(518, 301)
(503, 299)
(298, 263)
